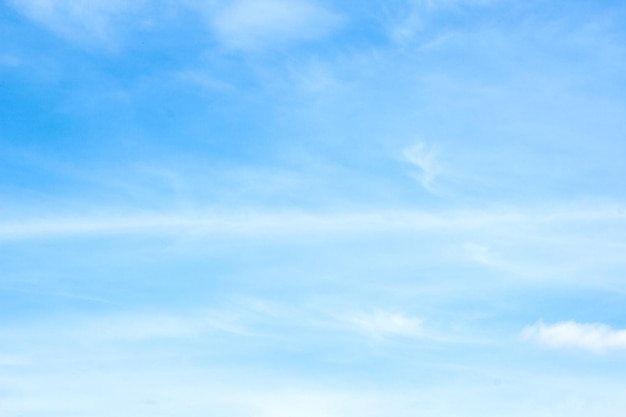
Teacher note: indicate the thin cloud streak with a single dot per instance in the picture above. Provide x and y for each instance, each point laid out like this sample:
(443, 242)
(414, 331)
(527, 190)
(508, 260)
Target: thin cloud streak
(259, 223)
(257, 24)
(242, 25)
(423, 157)
(593, 337)
(93, 21)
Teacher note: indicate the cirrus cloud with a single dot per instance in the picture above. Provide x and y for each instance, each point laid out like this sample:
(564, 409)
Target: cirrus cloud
(594, 337)
(91, 21)
(253, 25)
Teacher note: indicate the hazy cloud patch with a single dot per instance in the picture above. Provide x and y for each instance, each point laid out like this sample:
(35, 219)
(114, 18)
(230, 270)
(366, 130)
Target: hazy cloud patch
(594, 337)
(423, 157)
(385, 323)
(254, 25)
(84, 21)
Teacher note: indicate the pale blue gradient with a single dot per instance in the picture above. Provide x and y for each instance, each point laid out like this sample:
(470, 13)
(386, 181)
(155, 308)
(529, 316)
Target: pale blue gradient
(306, 208)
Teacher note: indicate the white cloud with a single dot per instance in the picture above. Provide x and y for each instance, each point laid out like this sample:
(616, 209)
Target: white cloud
(382, 323)
(239, 24)
(570, 334)
(257, 24)
(409, 17)
(251, 222)
(423, 157)
(80, 21)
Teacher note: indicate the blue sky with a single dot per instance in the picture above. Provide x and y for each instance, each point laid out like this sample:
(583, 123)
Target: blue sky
(306, 208)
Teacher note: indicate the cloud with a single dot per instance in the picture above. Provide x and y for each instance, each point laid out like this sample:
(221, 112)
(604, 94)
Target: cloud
(257, 24)
(570, 334)
(292, 222)
(423, 157)
(80, 21)
(243, 224)
(254, 223)
(384, 323)
(238, 25)
(409, 17)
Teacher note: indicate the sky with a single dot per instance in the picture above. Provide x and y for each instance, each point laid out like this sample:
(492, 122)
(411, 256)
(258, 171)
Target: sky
(308, 208)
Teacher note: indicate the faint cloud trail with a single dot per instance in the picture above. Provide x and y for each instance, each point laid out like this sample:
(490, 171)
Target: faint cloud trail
(424, 158)
(595, 337)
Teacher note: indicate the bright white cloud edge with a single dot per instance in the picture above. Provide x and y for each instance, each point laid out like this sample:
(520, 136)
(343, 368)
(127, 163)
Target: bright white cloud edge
(594, 337)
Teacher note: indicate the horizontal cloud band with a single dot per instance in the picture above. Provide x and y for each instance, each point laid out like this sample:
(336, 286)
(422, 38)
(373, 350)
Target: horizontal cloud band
(570, 334)
(290, 222)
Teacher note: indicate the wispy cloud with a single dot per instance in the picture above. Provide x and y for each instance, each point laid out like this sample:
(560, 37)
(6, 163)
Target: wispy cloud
(407, 18)
(311, 208)
(93, 21)
(289, 222)
(385, 323)
(259, 24)
(570, 334)
(423, 157)
(238, 25)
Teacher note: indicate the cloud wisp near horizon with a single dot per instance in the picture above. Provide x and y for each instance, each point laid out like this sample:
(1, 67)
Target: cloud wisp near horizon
(308, 208)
